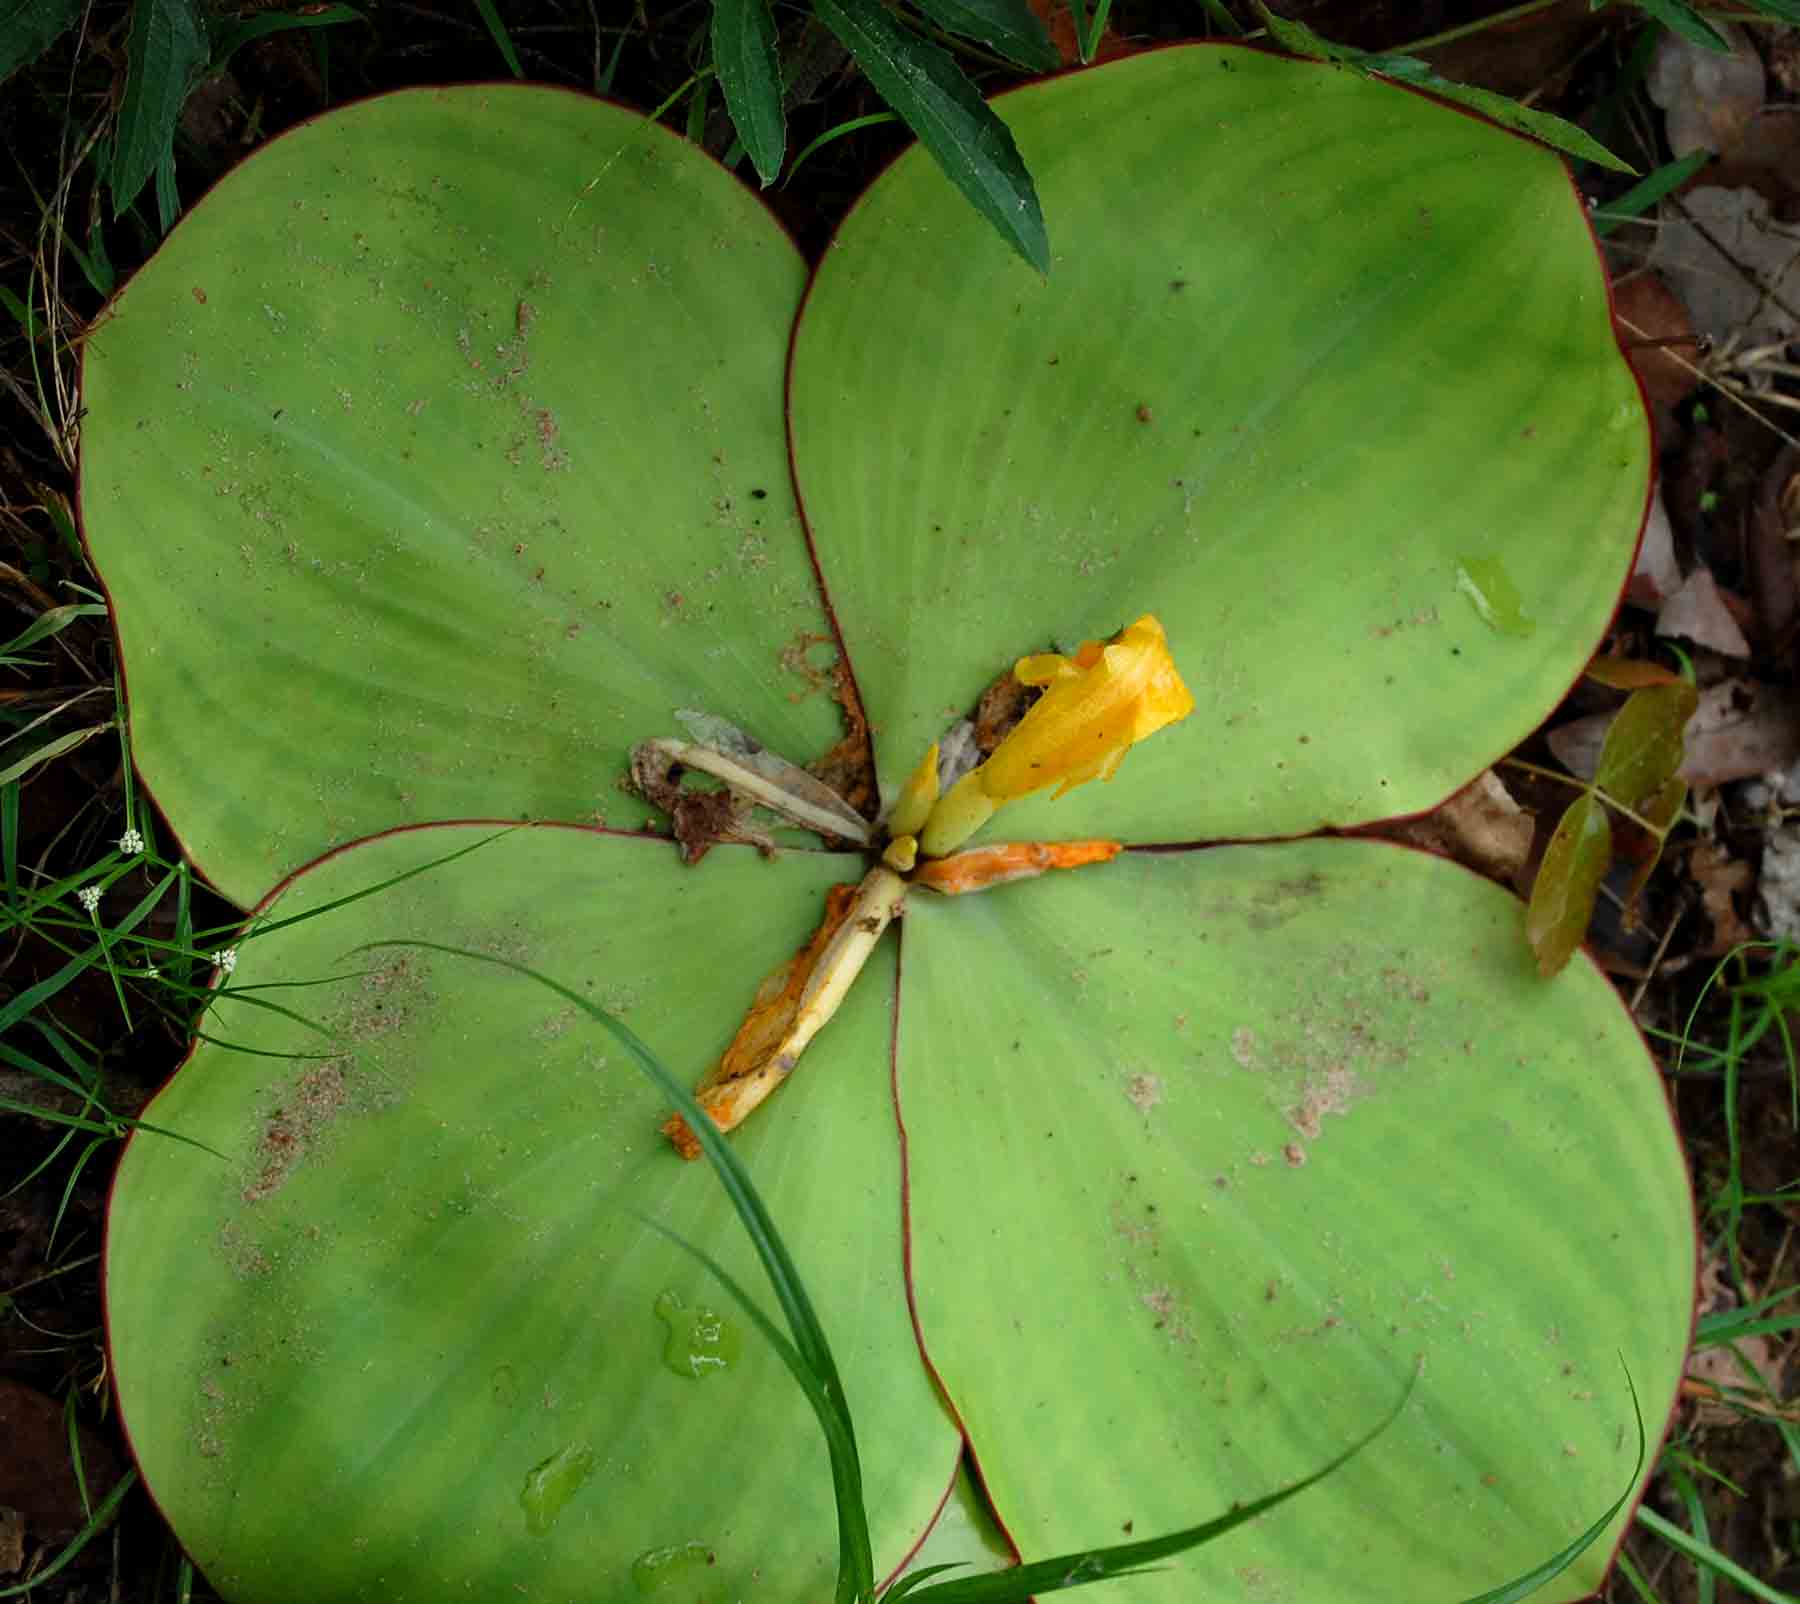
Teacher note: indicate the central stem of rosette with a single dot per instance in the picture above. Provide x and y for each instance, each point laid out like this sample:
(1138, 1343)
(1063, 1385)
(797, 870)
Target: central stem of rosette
(1096, 705)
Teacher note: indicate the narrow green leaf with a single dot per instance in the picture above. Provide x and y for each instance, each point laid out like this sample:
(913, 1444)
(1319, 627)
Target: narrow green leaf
(1299, 40)
(1786, 10)
(1008, 26)
(82, 1538)
(1022, 1582)
(239, 31)
(1705, 1554)
(856, 1563)
(1649, 190)
(743, 47)
(1562, 897)
(166, 54)
(52, 621)
(1524, 1586)
(959, 128)
(1643, 748)
(1540, 125)
(1684, 21)
(501, 37)
(854, 125)
(50, 749)
(30, 27)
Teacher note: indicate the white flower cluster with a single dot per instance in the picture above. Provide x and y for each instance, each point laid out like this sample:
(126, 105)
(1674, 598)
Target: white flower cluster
(226, 959)
(131, 843)
(88, 897)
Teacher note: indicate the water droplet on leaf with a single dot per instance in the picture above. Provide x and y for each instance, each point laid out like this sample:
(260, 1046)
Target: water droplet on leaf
(1495, 597)
(658, 1568)
(551, 1484)
(701, 1341)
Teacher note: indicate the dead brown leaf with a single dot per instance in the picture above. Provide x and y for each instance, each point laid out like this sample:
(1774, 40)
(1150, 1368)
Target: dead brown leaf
(1648, 312)
(1720, 878)
(1698, 612)
(1743, 727)
(1481, 826)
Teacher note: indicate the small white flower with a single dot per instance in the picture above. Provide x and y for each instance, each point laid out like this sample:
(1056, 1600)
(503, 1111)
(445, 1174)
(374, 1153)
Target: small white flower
(88, 897)
(151, 972)
(226, 959)
(131, 843)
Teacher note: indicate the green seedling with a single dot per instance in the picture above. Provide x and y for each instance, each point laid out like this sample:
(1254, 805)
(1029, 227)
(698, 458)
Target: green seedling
(440, 470)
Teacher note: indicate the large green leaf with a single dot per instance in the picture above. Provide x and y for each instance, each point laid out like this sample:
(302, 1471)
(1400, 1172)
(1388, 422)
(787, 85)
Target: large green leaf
(415, 1277)
(435, 460)
(1209, 1152)
(1312, 348)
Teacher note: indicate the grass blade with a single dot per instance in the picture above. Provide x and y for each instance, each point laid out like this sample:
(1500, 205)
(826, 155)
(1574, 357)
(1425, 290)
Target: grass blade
(1008, 26)
(856, 1563)
(973, 147)
(1125, 1559)
(81, 1539)
(1648, 191)
(166, 54)
(1705, 1554)
(501, 37)
(239, 31)
(743, 47)
(1524, 1586)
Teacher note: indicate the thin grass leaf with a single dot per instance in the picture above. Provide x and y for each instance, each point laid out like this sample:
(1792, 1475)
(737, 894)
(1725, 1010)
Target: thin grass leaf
(239, 31)
(1784, 10)
(52, 621)
(497, 29)
(22, 314)
(1299, 40)
(1729, 1325)
(27, 1001)
(749, 70)
(973, 147)
(1524, 1586)
(1125, 1559)
(80, 1540)
(30, 27)
(68, 1191)
(1089, 43)
(1648, 190)
(696, 112)
(914, 1580)
(1008, 26)
(167, 53)
(49, 750)
(852, 126)
(1685, 22)
(1640, 1584)
(9, 839)
(269, 927)
(856, 1563)
(1705, 1554)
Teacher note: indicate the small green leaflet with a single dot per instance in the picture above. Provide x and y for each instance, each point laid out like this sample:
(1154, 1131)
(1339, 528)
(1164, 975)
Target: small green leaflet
(168, 52)
(1299, 40)
(953, 122)
(743, 49)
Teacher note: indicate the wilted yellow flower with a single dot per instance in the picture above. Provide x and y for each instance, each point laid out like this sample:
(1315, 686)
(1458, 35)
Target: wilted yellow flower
(1096, 705)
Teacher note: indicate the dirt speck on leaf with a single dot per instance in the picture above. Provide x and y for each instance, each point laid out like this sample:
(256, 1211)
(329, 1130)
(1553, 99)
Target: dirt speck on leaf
(1145, 1091)
(289, 1133)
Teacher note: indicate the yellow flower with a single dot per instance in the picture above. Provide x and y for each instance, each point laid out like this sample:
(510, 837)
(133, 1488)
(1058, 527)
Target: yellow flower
(1096, 705)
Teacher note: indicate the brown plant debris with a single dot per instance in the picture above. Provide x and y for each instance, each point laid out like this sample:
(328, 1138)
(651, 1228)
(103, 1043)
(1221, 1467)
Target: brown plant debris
(700, 819)
(748, 1062)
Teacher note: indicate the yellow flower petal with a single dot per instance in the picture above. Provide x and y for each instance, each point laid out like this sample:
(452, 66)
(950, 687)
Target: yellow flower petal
(1095, 707)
